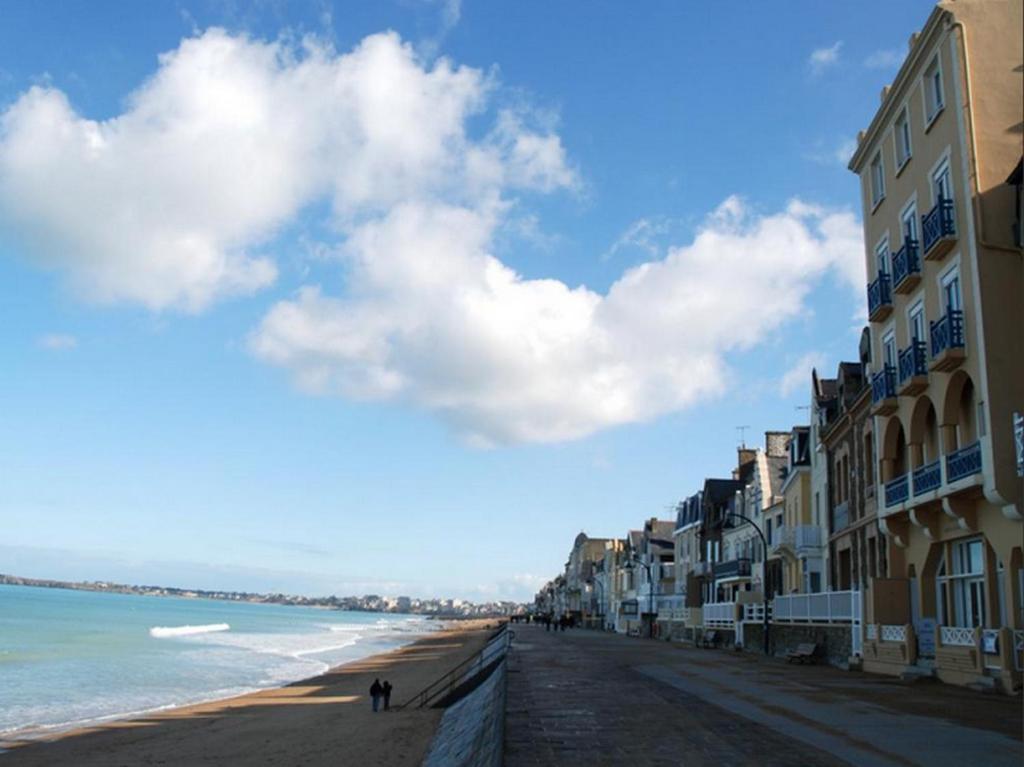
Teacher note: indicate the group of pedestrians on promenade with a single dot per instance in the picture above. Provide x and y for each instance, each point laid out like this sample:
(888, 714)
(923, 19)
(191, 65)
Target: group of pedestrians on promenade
(379, 691)
(563, 622)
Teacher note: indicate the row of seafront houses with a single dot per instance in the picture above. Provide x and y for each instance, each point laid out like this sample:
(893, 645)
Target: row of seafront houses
(888, 530)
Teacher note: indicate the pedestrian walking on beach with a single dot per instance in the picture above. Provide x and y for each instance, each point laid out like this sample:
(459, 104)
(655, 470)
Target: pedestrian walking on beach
(375, 692)
(386, 689)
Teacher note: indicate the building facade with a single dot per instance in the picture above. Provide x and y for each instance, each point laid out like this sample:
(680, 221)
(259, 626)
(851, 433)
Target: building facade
(946, 311)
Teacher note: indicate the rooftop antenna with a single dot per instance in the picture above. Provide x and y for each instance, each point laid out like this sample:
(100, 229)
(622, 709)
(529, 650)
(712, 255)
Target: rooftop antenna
(742, 430)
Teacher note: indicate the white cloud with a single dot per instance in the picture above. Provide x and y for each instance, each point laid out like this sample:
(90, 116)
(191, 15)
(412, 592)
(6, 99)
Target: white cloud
(434, 319)
(643, 234)
(57, 341)
(838, 154)
(799, 374)
(168, 203)
(823, 58)
(890, 59)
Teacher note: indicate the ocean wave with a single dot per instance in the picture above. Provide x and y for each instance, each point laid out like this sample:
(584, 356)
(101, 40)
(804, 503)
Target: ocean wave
(163, 632)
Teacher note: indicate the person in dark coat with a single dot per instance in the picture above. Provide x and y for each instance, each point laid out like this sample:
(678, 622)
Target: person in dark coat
(386, 689)
(375, 692)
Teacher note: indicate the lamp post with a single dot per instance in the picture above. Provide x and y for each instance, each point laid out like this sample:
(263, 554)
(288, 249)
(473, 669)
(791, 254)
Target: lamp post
(764, 584)
(650, 582)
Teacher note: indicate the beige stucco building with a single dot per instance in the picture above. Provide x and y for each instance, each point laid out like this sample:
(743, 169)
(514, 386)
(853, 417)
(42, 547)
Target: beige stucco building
(946, 310)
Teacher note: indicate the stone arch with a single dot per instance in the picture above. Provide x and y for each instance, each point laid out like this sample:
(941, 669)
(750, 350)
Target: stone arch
(924, 433)
(894, 450)
(959, 412)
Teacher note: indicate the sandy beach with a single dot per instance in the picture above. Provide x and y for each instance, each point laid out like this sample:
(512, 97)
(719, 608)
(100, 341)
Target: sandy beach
(325, 720)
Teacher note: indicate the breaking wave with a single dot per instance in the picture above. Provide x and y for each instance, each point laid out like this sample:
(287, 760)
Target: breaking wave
(163, 632)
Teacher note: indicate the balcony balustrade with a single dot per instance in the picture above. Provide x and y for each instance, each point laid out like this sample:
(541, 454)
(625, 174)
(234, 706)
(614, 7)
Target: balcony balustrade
(927, 478)
(799, 538)
(939, 230)
(897, 490)
(879, 298)
(913, 369)
(883, 390)
(965, 462)
(906, 267)
(734, 568)
(947, 336)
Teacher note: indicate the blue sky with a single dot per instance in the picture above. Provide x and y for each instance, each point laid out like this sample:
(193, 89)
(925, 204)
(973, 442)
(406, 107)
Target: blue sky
(399, 297)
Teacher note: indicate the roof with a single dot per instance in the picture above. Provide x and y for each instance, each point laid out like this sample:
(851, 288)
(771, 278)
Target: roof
(717, 491)
(662, 528)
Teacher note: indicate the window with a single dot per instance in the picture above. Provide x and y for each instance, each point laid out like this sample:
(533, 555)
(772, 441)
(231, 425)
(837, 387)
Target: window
(882, 256)
(933, 98)
(889, 349)
(942, 183)
(951, 290)
(902, 139)
(909, 219)
(877, 180)
(917, 324)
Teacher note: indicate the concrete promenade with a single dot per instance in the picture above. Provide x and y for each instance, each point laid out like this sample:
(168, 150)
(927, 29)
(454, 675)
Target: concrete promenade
(586, 697)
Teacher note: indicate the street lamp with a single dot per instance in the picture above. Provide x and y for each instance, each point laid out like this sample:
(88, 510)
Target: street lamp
(650, 581)
(764, 580)
(600, 601)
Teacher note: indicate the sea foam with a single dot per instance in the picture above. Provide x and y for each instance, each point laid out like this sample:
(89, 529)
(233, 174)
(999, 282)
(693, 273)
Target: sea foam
(162, 632)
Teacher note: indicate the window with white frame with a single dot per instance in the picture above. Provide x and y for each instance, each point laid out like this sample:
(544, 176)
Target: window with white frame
(882, 256)
(942, 183)
(902, 130)
(877, 179)
(933, 97)
(951, 290)
(960, 585)
(908, 219)
(916, 321)
(889, 348)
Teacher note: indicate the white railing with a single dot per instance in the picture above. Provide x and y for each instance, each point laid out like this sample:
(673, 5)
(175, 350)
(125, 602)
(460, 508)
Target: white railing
(720, 615)
(894, 633)
(1018, 649)
(826, 606)
(957, 635)
(871, 631)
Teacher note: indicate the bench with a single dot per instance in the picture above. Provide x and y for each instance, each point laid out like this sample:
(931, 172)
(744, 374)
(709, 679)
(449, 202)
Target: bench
(804, 653)
(710, 639)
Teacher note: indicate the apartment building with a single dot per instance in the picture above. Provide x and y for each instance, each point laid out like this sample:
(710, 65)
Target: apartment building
(946, 311)
(799, 540)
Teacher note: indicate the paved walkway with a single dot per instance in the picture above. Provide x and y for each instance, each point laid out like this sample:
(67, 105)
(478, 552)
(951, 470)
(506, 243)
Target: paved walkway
(585, 697)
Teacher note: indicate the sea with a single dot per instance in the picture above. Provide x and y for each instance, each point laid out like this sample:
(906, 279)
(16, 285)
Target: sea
(71, 658)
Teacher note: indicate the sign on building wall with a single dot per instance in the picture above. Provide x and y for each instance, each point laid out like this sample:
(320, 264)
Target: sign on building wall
(630, 607)
(1018, 440)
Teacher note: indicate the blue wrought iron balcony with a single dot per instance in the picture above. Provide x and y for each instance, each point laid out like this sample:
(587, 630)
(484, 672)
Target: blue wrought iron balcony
(897, 491)
(927, 477)
(906, 267)
(947, 335)
(964, 462)
(883, 390)
(939, 229)
(913, 368)
(734, 568)
(879, 298)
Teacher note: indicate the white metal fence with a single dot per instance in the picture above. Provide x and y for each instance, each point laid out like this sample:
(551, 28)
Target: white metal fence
(824, 607)
(958, 636)
(894, 633)
(720, 615)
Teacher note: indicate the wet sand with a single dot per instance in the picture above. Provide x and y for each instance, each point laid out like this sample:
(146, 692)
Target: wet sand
(325, 720)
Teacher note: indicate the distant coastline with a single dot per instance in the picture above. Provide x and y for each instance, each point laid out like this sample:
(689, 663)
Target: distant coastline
(371, 603)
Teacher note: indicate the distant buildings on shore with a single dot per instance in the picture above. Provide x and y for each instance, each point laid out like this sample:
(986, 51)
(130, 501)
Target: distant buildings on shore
(369, 603)
(887, 531)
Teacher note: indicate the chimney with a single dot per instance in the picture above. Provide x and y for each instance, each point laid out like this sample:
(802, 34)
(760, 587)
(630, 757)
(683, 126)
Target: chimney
(744, 456)
(912, 41)
(776, 443)
(884, 94)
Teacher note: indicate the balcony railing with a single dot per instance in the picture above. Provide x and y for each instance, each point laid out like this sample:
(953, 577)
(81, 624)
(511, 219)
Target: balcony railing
(734, 568)
(841, 516)
(825, 606)
(879, 297)
(937, 225)
(801, 536)
(964, 462)
(906, 267)
(913, 364)
(927, 477)
(897, 490)
(883, 385)
(947, 332)
(719, 614)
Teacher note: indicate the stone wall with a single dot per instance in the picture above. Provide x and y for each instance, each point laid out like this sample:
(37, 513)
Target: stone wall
(834, 641)
(472, 731)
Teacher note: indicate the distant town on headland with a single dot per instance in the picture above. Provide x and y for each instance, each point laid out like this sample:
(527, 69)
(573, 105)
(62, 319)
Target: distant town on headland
(440, 608)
